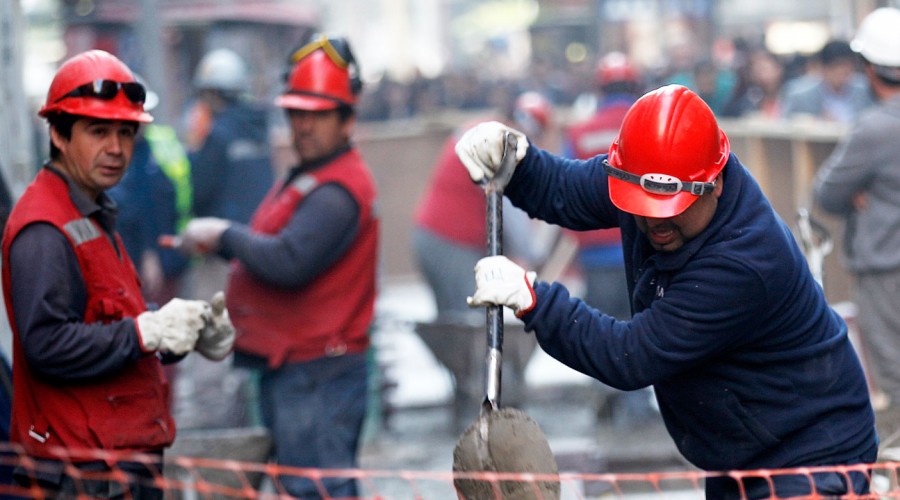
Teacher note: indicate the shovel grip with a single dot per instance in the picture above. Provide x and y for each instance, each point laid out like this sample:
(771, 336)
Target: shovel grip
(494, 222)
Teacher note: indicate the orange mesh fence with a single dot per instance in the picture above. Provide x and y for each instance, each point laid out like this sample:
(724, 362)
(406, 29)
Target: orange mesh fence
(204, 478)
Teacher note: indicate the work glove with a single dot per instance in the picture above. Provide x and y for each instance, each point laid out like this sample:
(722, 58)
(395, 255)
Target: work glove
(175, 327)
(500, 281)
(217, 337)
(202, 235)
(480, 148)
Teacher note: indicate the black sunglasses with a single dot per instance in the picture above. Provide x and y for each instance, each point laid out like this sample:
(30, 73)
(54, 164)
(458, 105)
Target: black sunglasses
(107, 90)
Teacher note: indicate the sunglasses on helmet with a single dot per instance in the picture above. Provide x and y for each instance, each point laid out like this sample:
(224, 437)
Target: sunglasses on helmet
(659, 183)
(337, 49)
(108, 89)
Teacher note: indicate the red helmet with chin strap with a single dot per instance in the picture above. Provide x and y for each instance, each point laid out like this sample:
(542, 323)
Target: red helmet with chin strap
(97, 84)
(669, 152)
(324, 76)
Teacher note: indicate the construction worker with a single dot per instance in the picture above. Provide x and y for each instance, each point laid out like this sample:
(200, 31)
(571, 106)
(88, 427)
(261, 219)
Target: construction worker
(857, 182)
(302, 287)
(231, 170)
(87, 353)
(619, 84)
(751, 368)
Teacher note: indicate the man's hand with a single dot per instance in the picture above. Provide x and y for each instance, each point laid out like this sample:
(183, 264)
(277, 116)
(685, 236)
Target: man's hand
(217, 337)
(480, 148)
(500, 281)
(173, 328)
(202, 235)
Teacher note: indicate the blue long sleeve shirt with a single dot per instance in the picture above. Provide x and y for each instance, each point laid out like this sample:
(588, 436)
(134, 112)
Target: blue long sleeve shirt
(751, 367)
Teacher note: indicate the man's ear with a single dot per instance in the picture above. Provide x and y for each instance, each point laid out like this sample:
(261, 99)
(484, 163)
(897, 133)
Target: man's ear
(720, 183)
(58, 140)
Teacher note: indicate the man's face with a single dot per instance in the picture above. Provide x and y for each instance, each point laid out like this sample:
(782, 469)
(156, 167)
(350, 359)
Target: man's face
(97, 154)
(670, 234)
(318, 134)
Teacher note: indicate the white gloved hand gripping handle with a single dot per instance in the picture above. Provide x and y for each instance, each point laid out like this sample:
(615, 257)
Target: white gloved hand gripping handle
(481, 149)
(500, 281)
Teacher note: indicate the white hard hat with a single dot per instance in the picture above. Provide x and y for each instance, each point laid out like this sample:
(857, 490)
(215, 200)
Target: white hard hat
(878, 37)
(221, 69)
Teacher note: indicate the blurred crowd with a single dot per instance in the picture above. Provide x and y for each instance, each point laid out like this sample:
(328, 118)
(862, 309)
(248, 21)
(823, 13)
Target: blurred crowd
(746, 80)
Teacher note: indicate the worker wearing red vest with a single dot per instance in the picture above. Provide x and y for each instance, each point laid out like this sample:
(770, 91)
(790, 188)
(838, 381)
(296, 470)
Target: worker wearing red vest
(302, 287)
(87, 353)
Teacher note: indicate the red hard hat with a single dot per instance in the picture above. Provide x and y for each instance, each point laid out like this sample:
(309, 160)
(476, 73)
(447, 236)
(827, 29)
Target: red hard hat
(669, 151)
(94, 67)
(321, 77)
(616, 67)
(533, 106)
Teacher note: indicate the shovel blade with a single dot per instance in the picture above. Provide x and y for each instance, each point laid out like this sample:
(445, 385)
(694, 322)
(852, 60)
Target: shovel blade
(505, 440)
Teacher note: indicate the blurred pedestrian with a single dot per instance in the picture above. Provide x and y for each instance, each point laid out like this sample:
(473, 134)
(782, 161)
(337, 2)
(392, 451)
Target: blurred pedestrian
(231, 171)
(154, 199)
(838, 92)
(758, 93)
(751, 367)
(857, 182)
(302, 289)
(619, 84)
(708, 78)
(86, 350)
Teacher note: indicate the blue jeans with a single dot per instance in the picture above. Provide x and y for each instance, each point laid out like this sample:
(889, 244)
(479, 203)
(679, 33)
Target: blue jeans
(315, 412)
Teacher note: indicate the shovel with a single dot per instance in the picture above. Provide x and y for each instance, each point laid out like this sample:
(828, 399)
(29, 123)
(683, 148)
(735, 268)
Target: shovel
(502, 440)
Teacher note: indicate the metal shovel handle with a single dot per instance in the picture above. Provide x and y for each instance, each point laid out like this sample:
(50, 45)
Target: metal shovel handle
(494, 218)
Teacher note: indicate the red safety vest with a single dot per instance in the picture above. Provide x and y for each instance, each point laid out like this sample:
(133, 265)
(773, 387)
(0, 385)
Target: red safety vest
(331, 315)
(126, 411)
(453, 206)
(589, 139)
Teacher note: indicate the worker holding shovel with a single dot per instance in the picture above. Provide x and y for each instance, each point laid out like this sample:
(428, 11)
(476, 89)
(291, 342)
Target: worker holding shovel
(751, 367)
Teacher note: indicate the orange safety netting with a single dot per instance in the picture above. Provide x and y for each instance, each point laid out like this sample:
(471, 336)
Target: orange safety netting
(205, 478)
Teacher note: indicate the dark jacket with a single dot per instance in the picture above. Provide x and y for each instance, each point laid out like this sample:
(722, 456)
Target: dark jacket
(751, 367)
(232, 171)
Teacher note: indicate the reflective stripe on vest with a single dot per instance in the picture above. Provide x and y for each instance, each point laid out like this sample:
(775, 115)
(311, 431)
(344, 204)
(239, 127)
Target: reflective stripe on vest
(82, 230)
(305, 184)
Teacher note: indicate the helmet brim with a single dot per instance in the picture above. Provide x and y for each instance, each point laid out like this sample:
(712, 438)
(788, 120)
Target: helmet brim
(633, 199)
(306, 102)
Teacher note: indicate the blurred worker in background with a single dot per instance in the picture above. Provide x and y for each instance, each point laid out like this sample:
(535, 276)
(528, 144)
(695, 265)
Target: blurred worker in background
(838, 92)
(86, 350)
(751, 367)
(619, 84)
(154, 199)
(449, 236)
(447, 247)
(858, 182)
(303, 284)
(231, 171)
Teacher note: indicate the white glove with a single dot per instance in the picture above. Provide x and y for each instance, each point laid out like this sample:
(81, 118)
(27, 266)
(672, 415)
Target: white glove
(202, 235)
(480, 148)
(500, 281)
(217, 337)
(173, 328)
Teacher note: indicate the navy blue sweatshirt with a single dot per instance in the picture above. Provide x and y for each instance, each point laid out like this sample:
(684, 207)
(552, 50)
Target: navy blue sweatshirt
(751, 367)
